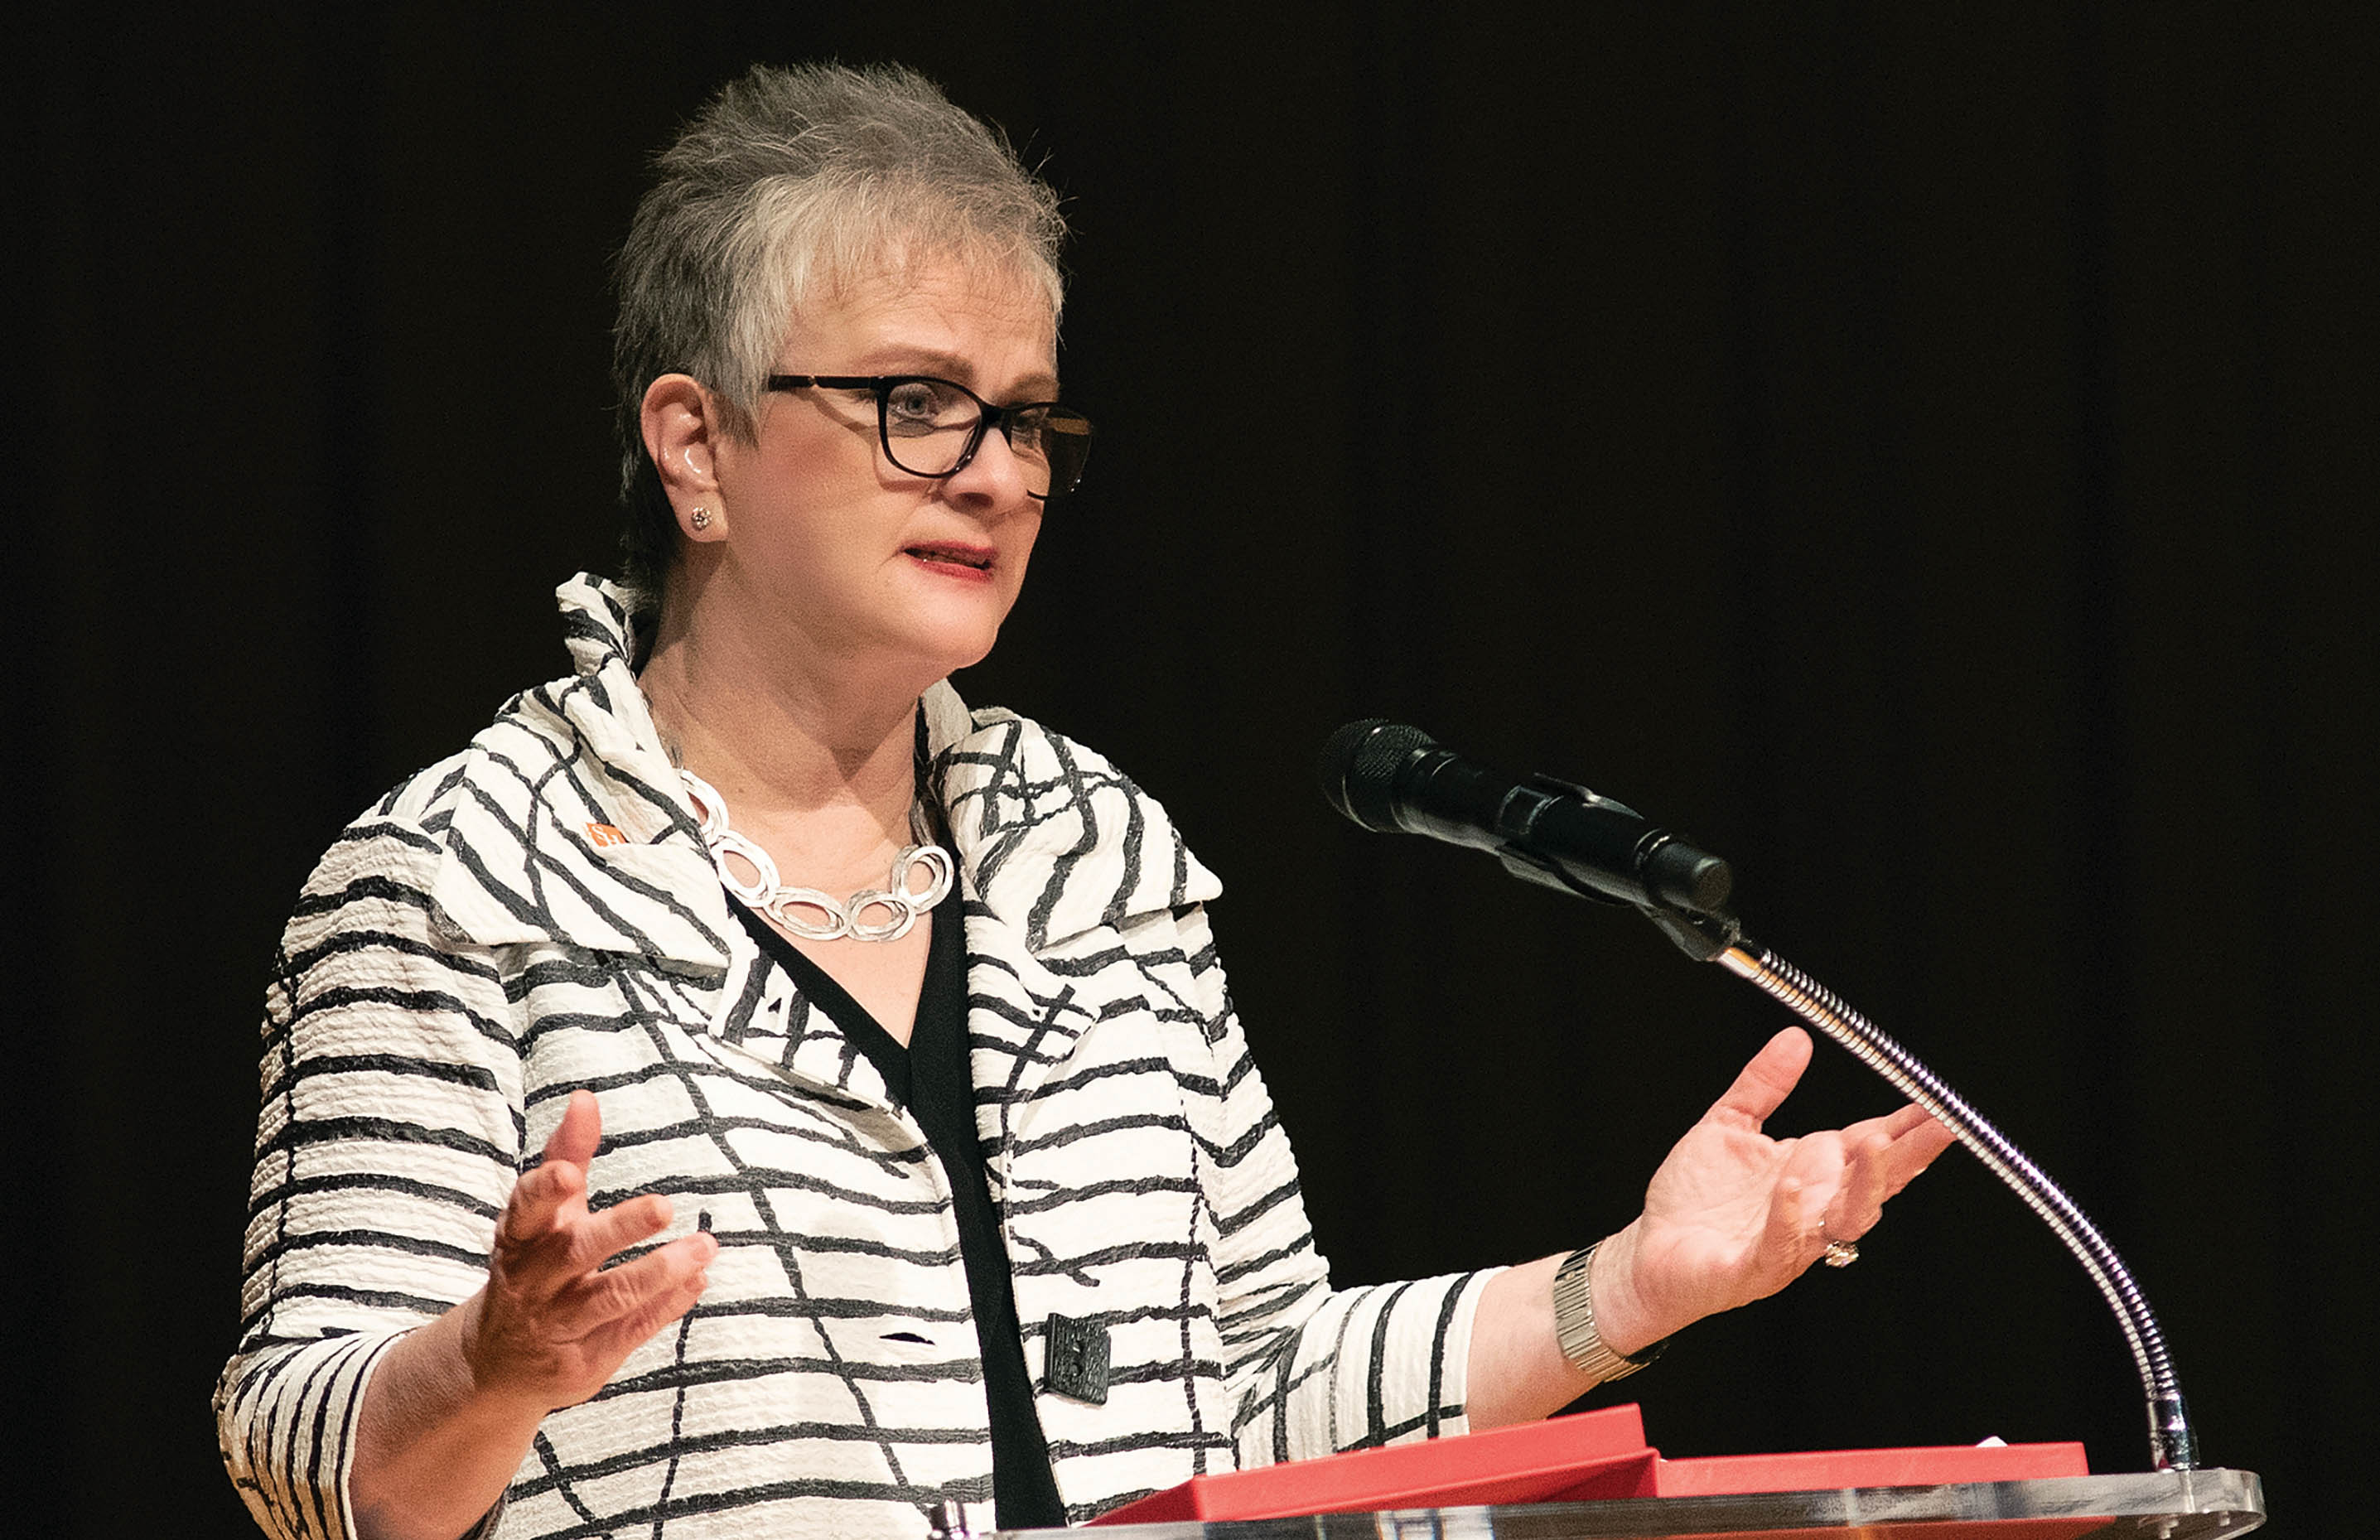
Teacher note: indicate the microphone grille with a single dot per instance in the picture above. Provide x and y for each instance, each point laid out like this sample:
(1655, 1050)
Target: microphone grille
(1359, 770)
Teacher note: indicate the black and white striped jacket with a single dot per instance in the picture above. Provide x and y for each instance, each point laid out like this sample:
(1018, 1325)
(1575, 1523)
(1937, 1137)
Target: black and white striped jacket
(538, 914)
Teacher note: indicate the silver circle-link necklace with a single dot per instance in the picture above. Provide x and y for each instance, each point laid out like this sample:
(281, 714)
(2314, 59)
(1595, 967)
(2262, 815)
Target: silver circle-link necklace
(763, 889)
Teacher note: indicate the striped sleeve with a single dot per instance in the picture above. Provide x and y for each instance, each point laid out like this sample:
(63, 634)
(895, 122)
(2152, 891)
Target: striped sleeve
(389, 1134)
(1311, 1370)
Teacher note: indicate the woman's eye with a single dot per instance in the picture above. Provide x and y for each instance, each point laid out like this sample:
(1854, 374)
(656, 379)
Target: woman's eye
(917, 403)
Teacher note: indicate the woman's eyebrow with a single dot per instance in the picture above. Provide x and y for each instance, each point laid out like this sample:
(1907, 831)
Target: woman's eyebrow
(899, 359)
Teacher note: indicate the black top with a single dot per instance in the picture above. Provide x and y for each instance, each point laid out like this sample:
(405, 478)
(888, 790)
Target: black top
(932, 1079)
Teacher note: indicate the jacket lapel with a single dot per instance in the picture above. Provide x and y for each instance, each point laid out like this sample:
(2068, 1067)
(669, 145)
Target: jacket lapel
(1058, 853)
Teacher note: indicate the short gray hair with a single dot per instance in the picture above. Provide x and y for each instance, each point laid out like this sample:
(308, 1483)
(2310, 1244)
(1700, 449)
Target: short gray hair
(790, 183)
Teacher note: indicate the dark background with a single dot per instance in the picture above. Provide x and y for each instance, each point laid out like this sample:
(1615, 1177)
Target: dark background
(1913, 449)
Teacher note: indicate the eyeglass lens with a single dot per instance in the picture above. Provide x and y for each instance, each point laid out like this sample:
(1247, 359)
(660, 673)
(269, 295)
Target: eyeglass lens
(931, 425)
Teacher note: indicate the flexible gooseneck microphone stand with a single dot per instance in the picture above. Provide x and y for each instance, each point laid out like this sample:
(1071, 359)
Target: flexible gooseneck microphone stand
(2170, 1444)
(1705, 928)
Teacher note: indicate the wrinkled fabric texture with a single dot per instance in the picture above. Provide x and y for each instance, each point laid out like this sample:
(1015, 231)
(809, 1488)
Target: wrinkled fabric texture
(538, 914)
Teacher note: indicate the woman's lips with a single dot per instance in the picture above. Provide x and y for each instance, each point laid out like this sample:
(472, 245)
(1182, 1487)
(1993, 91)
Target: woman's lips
(950, 556)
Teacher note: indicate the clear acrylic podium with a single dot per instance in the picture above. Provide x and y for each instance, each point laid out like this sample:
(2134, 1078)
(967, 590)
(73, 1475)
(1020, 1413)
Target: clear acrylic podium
(2160, 1504)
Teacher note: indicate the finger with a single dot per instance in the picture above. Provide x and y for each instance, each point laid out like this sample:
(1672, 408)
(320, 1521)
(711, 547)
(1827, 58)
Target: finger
(1903, 1123)
(603, 1236)
(630, 1301)
(1861, 1202)
(1790, 1244)
(575, 1138)
(544, 1203)
(1906, 1120)
(1766, 1081)
(1912, 1152)
(1820, 1162)
(668, 1305)
(554, 1194)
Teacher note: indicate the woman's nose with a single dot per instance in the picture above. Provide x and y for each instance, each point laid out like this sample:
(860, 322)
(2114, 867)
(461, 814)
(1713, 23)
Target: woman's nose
(994, 474)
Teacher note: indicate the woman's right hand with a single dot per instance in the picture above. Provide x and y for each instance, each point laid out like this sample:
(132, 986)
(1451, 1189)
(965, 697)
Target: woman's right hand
(553, 1323)
(452, 1408)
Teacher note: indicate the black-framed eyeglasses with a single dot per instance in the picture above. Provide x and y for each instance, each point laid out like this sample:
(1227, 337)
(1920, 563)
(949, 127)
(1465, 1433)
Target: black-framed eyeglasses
(932, 428)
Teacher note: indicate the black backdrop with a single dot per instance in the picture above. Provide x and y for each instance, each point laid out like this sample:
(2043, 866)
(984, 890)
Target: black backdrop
(1911, 448)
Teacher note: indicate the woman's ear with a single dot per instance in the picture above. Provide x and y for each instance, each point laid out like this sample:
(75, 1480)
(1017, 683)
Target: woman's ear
(682, 428)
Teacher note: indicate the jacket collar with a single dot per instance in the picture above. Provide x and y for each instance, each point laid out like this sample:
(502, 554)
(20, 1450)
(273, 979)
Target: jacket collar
(1052, 839)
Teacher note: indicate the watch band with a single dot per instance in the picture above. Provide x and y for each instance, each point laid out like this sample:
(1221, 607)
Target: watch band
(1575, 1324)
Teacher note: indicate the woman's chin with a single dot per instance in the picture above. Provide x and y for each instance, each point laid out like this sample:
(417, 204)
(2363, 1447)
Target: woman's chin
(938, 650)
(969, 656)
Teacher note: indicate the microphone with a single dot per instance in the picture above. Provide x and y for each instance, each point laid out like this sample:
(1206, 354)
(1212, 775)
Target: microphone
(1390, 778)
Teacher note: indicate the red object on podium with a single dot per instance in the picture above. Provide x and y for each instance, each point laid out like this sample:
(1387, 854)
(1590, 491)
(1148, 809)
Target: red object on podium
(1602, 1452)
(1590, 1456)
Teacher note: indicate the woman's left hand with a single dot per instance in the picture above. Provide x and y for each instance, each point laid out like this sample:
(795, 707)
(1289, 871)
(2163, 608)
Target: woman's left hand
(1733, 1215)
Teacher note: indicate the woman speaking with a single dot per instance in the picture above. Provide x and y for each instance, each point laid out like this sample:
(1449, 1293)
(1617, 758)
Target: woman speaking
(746, 1092)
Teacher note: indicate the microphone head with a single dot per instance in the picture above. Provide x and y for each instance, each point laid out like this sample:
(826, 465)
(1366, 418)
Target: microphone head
(1359, 770)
